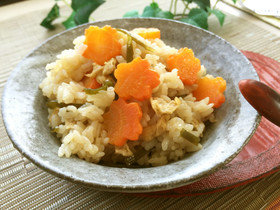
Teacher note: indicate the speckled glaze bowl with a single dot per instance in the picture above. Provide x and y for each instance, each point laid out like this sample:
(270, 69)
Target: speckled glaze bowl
(25, 114)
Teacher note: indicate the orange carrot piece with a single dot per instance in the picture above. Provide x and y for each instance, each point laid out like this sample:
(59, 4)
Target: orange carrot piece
(122, 122)
(187, 64)
(90, 82)
(212, 88)
(102, 44)
(147, 33)
(135, 80)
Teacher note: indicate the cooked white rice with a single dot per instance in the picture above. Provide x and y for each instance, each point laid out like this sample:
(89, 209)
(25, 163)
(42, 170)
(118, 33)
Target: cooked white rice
(81, 130)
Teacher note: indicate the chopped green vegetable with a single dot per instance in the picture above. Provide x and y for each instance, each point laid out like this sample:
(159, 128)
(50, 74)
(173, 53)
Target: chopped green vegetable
(117, 160)
(189, 136)
(90, 91)
(54, 104)
(130, 160)
(105, 85)
(136, 40)
(129, 49)
(52, 15)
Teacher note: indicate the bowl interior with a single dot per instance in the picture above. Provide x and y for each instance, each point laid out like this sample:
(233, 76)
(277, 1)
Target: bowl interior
(25, 113)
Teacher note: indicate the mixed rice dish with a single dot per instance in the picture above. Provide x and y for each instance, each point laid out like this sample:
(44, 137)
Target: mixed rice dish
(125, 97)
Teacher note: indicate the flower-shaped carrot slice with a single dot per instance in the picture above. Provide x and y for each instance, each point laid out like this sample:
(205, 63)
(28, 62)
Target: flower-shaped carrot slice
(147, 33)
(122, 122)
(135, 80)
(212, 88)
(102, 44)
(188, 66)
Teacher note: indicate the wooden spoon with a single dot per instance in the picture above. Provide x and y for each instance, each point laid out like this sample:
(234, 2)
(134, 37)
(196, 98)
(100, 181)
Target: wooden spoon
(263, 98)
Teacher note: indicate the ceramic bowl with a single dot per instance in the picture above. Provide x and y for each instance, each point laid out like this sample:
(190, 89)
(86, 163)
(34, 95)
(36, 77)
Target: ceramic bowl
(25, 113)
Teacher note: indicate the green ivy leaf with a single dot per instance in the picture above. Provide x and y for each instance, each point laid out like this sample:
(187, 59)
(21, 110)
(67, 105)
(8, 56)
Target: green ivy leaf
(84, 8)
(164, 14)
(51, 16)
(132, 13)
(197, 17)
(154, 6)
(148, 12)
(234, 1)
(70, 22)
(218, 14)
(151, 10)
(203, 4)
(189, 21)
